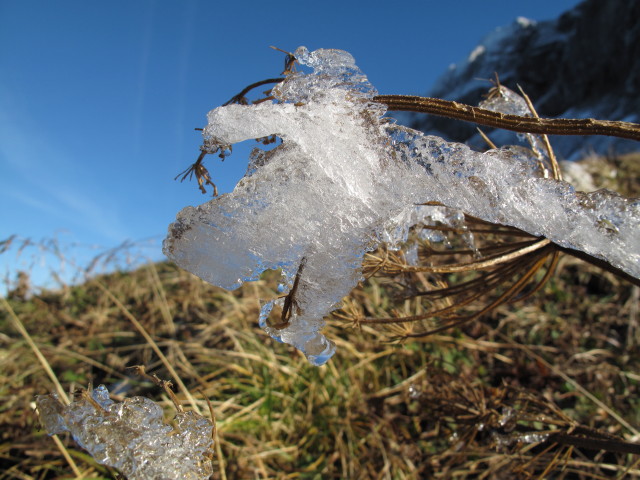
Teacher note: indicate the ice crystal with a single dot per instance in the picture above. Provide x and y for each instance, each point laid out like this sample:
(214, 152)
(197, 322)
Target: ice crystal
(346, 179)
(131, 435)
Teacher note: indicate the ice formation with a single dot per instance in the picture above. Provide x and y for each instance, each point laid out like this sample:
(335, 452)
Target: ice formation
(131, 435)
(346, 179)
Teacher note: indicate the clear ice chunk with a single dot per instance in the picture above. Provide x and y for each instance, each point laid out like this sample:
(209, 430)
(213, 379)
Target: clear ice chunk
(132, 436)
(345, 179)
(504, 100)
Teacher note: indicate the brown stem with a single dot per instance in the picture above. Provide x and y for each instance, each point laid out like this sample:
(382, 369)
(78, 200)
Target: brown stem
(601, 264)
(481, 116)
(618, 446)
(248, 88)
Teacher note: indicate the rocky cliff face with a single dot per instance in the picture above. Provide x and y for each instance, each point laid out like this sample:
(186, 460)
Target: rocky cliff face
(584, 64)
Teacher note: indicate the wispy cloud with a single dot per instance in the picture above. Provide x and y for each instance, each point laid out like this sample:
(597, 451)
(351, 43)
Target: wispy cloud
(32, 173)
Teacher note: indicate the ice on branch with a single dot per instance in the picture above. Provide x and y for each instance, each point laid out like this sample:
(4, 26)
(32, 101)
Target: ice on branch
(131, 435)
(346, 179)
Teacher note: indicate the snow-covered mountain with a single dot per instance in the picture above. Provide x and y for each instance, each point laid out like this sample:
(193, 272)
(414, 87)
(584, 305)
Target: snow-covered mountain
(584, 64)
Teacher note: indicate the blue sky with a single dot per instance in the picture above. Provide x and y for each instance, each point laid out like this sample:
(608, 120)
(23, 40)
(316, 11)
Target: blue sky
(99, 100)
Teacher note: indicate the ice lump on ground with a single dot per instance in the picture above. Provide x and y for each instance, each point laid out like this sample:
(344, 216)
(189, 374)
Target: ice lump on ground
(131, 435)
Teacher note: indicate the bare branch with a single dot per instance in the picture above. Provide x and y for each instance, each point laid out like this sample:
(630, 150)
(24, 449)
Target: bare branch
(481, 116)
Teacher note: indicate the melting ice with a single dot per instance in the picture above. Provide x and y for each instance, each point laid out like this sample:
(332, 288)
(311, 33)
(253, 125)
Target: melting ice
(131, 435)
(345, 179)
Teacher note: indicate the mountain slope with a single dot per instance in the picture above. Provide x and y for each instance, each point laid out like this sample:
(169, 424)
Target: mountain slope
(586, 63)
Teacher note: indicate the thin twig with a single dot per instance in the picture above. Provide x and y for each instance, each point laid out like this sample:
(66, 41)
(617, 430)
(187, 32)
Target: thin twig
(163, 384)
(290, 300)
(557, 174)
(511, 292)
(67, 456)
(515, 123)
(610, 445)
(240, 97)
(480, 264)
(216, 438)
(487, 139)
(601, 264)
(152, 344)
(200, 171)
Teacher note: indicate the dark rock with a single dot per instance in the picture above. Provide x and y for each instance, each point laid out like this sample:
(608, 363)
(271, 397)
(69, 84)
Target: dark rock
(584, 64)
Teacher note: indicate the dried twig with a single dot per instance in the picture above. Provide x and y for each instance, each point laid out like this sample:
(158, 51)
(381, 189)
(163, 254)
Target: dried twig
(240, 97)
(290, 300)
(166, 385)
(555, 167)
(201, 173)
(154, 346)
(515, 123)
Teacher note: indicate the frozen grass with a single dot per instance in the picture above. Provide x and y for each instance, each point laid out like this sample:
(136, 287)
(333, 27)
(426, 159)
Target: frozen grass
(472, 402)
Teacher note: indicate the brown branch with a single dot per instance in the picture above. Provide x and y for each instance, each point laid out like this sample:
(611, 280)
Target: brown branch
(481, 116)
(290, 300)
(590, 443)
(166, 385)
(601, 264)
(240, 97)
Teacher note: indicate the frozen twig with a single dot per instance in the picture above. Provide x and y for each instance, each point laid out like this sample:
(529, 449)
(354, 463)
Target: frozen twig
(345, 180)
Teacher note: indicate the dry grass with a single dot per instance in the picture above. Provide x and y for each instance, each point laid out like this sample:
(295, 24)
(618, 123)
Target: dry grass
(545, 388)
